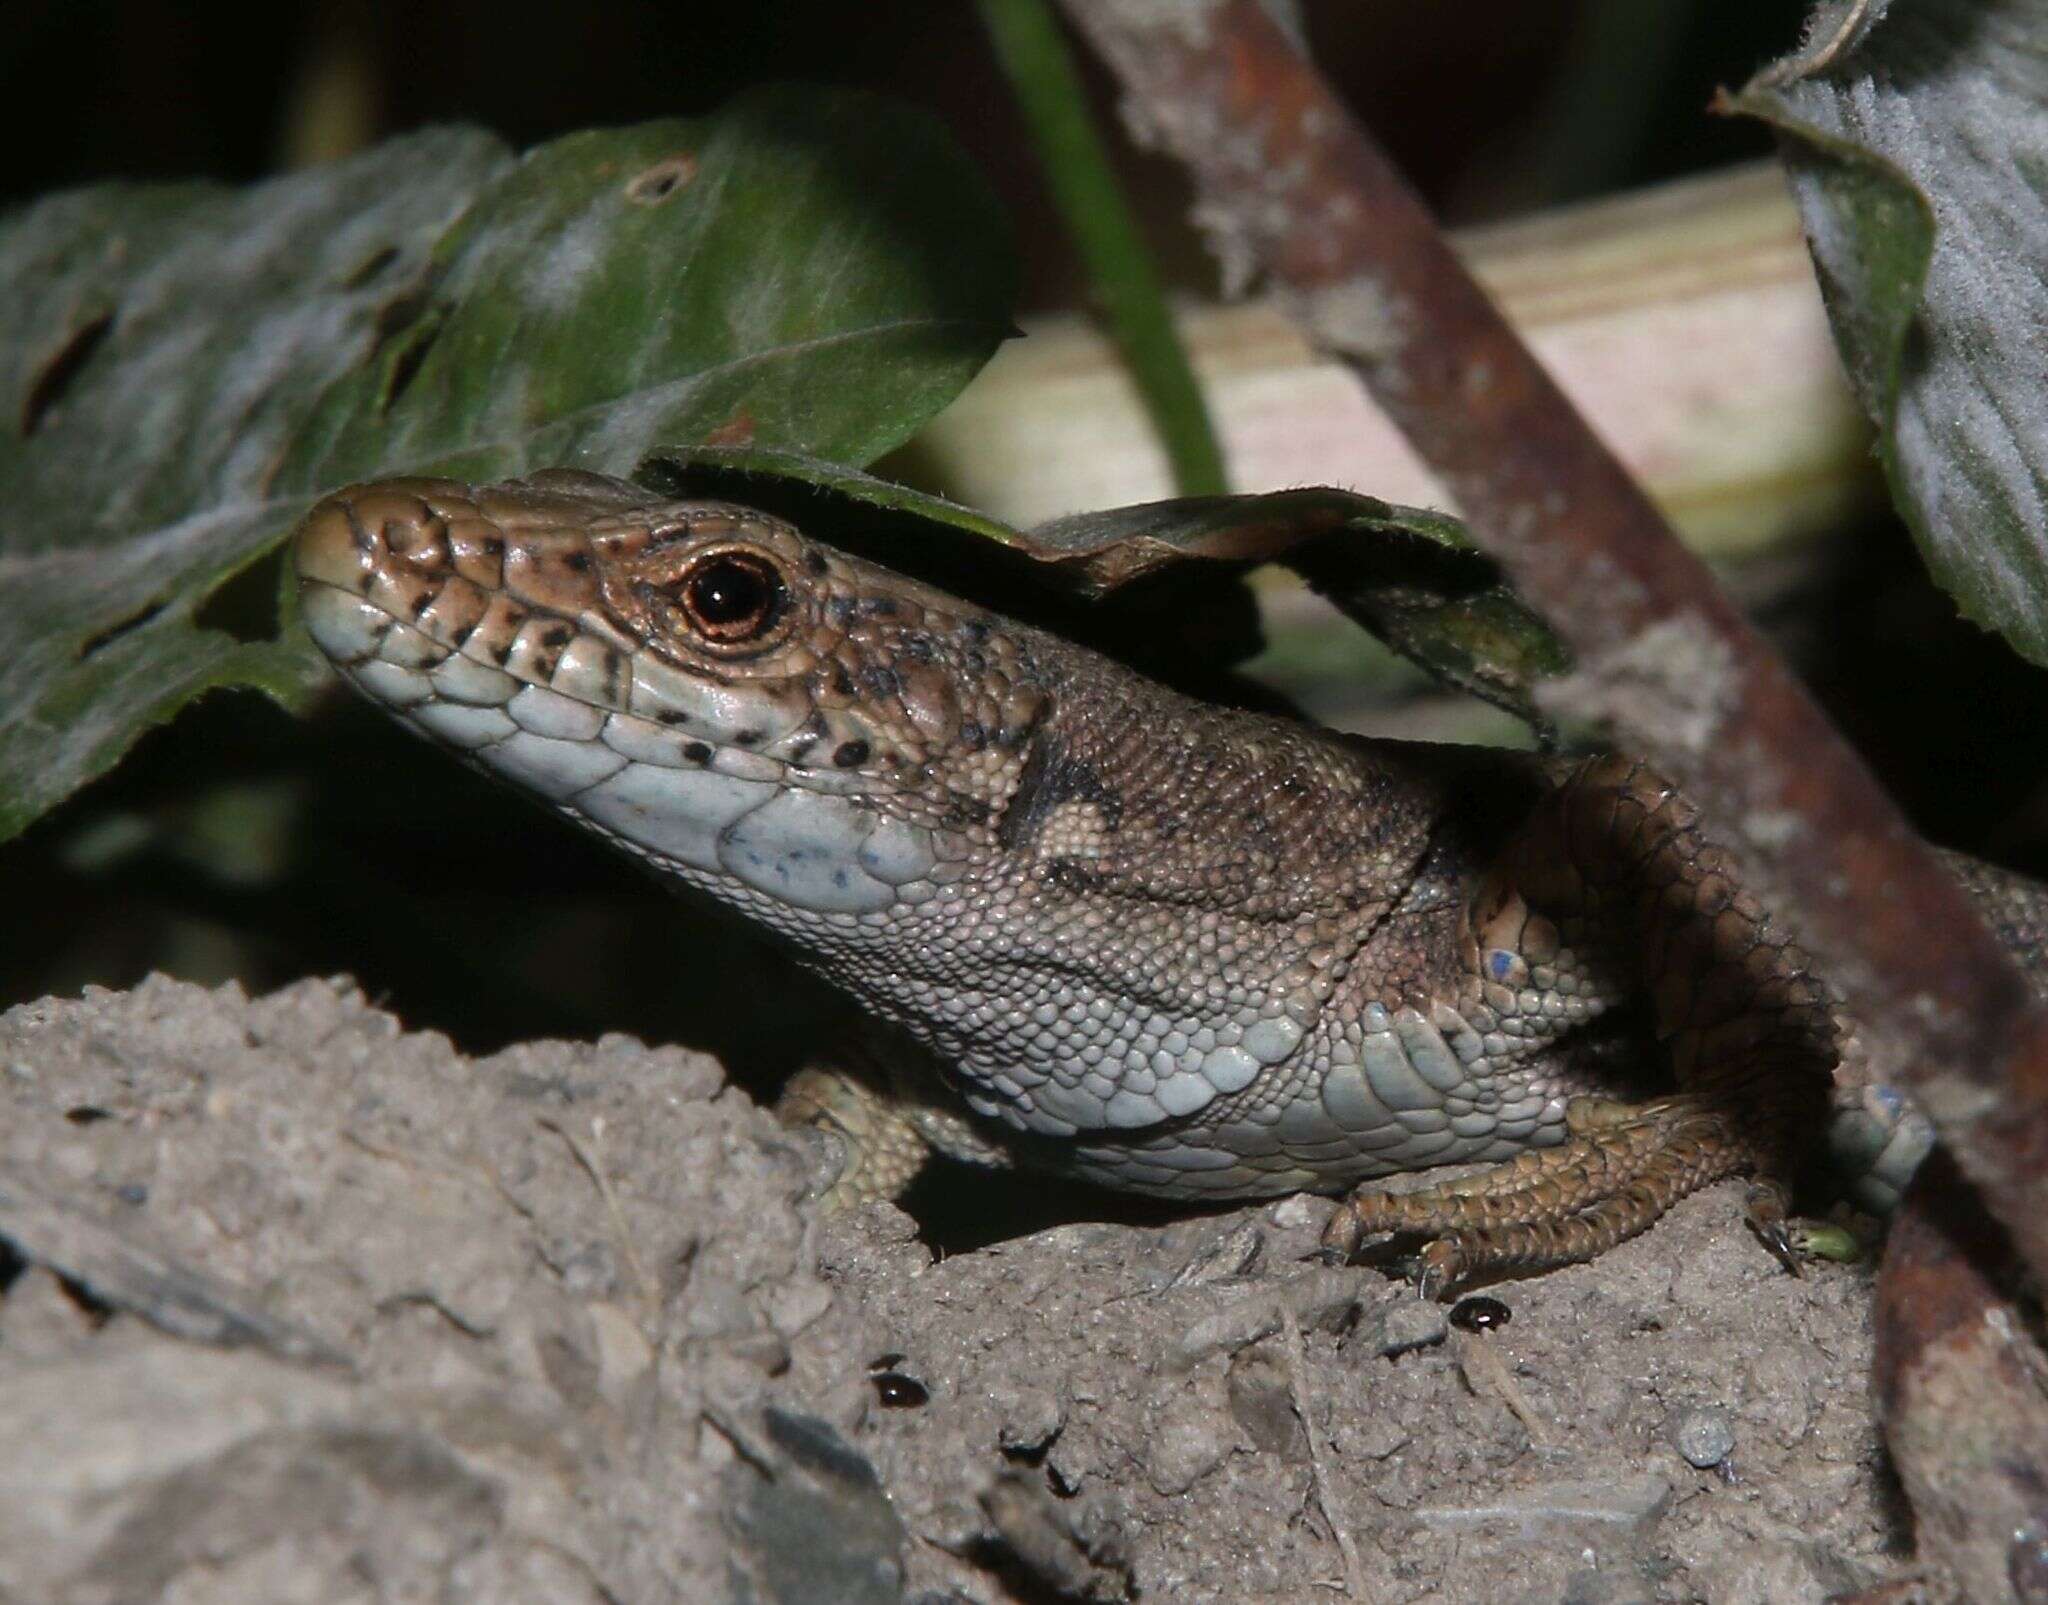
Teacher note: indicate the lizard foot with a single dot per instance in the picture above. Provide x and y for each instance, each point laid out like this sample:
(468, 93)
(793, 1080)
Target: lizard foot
(879, 1143)
(1620, 1169)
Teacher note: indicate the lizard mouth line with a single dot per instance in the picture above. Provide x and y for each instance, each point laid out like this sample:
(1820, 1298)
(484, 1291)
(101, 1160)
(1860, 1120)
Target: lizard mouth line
(474, 696)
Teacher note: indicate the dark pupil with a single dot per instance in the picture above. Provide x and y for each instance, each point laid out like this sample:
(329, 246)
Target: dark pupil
(731, 593)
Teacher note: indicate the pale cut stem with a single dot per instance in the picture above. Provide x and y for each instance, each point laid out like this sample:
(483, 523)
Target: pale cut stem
(1684, 321)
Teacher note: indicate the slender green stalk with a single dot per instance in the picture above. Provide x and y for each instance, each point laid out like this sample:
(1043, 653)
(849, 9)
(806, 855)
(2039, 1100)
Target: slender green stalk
(1126, 285)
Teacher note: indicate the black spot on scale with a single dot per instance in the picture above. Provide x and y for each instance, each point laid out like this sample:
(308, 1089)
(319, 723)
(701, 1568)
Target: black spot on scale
(422, 602)
(672, 716)
(548, 646)
(815, 562)
(973, 736)
(882, 684)
(851, 755)
(748, 738)
(697, 751)
(842, 682)
(577, 562)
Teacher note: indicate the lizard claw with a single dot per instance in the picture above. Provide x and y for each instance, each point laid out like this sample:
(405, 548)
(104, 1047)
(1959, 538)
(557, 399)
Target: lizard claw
(1765, 1212)
(1439, 1267)
(1343, 1236)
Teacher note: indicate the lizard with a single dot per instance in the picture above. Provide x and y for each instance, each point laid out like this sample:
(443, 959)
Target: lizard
(1108, 931)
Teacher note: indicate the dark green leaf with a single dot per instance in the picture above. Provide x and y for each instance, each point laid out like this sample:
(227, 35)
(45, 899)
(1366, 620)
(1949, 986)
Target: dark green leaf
(1917, 139)
(188, 366)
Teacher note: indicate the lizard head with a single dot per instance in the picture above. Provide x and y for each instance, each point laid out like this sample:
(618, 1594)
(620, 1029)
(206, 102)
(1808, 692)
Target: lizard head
(696, 679)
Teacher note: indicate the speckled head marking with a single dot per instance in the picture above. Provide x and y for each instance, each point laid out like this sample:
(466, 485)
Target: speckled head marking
(598, 645)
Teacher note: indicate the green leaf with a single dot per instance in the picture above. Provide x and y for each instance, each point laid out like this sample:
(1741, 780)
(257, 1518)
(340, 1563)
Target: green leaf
(187, 366)
(1916, 135)
(1409, 575)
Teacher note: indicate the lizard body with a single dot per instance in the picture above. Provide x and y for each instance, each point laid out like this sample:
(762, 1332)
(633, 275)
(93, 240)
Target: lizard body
(1178, 949)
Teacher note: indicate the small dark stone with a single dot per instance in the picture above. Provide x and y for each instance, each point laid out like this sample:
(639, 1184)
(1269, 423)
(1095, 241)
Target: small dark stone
(899, 1391)
(1480, 1314)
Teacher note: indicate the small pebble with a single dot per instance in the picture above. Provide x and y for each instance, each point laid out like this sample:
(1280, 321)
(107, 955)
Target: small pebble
(1605, 1588)
(1302, 1211)
(2026, 1565)
(1412, 1323)
(1028, 1422)
(1705, 1436)
(1186, 1446)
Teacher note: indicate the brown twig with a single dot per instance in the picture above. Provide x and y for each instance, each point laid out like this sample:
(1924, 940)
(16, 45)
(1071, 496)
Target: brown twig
(1964, 1392)
(1291, 184)
(1319, 1471)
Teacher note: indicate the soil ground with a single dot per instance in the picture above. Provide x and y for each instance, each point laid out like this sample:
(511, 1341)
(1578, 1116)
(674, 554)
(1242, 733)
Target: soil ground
(307, 1307)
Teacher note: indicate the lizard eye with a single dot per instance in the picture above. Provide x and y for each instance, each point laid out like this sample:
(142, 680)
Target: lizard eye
(732, 597)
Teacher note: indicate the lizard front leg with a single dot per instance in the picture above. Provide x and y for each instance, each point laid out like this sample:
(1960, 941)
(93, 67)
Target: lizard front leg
(878, 1101)
(1613, 861)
